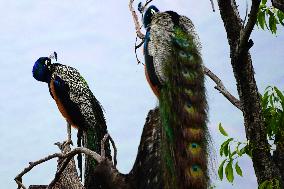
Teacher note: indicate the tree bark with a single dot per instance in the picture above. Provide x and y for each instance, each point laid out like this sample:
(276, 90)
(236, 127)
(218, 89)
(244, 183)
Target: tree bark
(278, 155)
(279, 4)
(264, 166)
(147, 171)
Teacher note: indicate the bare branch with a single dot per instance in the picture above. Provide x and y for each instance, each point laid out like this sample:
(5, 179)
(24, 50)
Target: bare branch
(18, 178)
(107, 136)
(67, 158)
(245, 44)
(212, 4)
(135, 19)
(222, 89)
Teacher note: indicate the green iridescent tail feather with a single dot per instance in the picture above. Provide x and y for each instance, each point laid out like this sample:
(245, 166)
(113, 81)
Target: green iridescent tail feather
(92, 137)
(183, 110)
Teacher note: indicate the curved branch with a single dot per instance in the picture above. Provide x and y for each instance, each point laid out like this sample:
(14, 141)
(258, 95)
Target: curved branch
(18, 178)
(68, 156)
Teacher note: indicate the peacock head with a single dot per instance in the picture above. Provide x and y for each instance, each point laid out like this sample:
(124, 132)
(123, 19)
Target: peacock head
(148, 16)
(41, 69)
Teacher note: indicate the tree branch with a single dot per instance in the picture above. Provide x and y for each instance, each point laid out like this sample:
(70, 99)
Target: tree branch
(67, 158)
(18, 178)
(264, 166)
(245, 44)
(212, 4)
(135, 19)
(222, 89)
(68, 178)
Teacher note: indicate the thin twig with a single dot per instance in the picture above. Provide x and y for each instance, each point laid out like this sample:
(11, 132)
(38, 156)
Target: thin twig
(222, 89)
(212, 4)
(245, 43)
(18, 178)
(135, 19)
(107, 136)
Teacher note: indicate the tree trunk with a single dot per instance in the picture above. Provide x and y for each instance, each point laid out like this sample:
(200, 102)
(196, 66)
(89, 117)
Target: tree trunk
(279, 4)
(264, 166)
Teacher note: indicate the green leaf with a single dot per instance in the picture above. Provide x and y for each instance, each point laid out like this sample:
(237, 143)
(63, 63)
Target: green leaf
(261, 19)
(271, 101)
(280, 95)
(264, 100)
(229, 172)
(280, 15)
(263, 2)
(238, 169)
(220, 170)
(227, 150)
(222, 130)
(224, 147)
(272, 23)
(263, 185)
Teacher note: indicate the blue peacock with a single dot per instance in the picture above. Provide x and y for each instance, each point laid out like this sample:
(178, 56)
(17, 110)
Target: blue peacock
(78, 106)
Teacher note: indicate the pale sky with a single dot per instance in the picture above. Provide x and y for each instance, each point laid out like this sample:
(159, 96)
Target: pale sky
(97, 37)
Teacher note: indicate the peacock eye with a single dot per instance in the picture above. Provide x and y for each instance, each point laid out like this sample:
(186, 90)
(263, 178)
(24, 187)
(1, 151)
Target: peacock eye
(153, 11)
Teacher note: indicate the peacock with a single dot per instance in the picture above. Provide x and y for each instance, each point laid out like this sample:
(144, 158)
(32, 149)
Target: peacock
(173, 68)
(78, 106)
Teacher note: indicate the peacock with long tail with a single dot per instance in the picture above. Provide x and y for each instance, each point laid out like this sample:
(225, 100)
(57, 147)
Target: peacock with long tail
(173, 68)
(78, 106)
